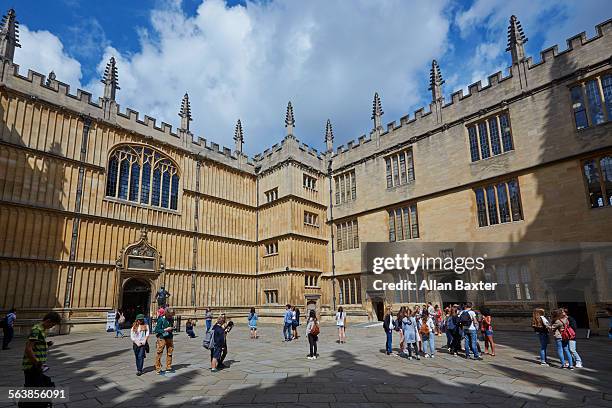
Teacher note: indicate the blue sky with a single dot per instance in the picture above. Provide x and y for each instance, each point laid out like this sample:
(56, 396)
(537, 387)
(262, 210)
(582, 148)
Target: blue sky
(243, 59)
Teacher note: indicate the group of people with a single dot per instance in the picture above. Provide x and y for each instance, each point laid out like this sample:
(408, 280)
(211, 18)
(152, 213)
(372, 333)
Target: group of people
(563, 328)
(418, 328)
(291, 322)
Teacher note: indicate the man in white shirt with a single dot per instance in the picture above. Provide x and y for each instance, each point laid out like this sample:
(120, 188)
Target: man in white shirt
(471, 331)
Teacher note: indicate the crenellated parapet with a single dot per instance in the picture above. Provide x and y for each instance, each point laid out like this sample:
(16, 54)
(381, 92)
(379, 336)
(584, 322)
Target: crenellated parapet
(581, 56)
(52, 91)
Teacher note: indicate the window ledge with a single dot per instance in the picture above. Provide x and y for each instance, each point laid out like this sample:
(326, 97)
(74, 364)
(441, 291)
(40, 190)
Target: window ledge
(500, 224)
(269, 255)
(311, 225)
(492, 157)
(144, 206)
(401, 185)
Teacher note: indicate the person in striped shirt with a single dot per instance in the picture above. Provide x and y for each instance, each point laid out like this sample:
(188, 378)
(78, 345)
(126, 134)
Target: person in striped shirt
(35, 354)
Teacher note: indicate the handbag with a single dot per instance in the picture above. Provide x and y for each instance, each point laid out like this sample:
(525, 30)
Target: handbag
(146, 346)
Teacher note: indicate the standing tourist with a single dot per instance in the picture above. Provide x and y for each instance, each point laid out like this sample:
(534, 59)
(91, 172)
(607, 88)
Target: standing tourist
(35, 354)
(410, 334)
(341, 324)
(163, 332)
(208, 316)
(313, 330)
(119, 320)
(447, 331)
(8, 324)
(288, 319)
(438, 319)
(487, 331)
(218, 339)
(228, 328)
(189, 329)
(295, 321)
(428, 335)
(162, 295)
(398, 327)
(140, 335)
(388, 328)
(469, 324)
(562, 333)
(452, 326)
(540, 325)
(572, 342)
(252, 319)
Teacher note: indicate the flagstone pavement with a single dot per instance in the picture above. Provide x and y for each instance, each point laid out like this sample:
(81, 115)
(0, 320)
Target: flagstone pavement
(99, 371)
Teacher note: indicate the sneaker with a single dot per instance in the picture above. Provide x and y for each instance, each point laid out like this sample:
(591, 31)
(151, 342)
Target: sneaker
(139, 373)
(427, 355)
(571, 368)
(314, 357)
(310, 358)
(566, 365)
(418, 358)
(410, 358)
(161, 373)
(579, 365)
(545, 364)
(432, 356)
(214, 370)
(170, 370)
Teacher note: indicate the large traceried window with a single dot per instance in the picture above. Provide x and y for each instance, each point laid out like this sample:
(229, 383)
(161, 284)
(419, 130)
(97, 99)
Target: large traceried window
(592, 101)
(142, 175)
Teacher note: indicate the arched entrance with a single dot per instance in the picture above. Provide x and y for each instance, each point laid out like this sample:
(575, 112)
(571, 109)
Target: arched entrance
(135, 298)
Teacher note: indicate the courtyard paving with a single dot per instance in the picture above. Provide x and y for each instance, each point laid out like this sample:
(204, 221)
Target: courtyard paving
(99, 371)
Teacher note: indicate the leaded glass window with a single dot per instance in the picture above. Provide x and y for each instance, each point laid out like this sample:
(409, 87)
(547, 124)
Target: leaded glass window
(142, 175)
(490, 137)
(598, 176)
(498, 203)
(592, 101)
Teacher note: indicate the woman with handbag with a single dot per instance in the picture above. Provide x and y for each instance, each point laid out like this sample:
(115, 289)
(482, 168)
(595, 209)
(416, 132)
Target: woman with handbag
(139, 335)
(563, 333)
(312, 328)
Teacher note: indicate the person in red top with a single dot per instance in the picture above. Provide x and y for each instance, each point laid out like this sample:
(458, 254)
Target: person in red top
(487, 331)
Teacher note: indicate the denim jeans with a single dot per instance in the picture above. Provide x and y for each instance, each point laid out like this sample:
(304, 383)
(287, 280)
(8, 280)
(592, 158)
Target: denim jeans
(449, 338)
(287, 331)
(471, 342)
(573, 352)
(543, 346)
(564, 351)
(389, 343)
(8, 336)
(118, 331)
(139, 352)
(208, 324)
(429, 344)
(190, 333)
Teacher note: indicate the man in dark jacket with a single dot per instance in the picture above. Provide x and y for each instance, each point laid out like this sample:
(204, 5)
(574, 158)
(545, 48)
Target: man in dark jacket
(218, 340)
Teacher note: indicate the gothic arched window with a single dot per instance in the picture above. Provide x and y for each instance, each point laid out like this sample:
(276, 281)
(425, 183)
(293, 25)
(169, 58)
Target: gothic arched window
(142, 175)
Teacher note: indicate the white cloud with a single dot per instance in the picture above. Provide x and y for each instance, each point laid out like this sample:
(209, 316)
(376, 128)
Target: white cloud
(43, 52)
(327, 57)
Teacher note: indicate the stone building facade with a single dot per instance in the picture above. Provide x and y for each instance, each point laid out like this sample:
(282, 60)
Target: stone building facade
(100, 207)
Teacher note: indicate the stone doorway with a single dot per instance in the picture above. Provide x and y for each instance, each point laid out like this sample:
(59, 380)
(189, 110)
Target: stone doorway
(378, 308)
(135, 299)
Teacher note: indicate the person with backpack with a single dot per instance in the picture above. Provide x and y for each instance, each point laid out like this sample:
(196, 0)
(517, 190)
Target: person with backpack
(288, 319)
(341, 323)
(119, 320)
(139, 335)
(409, 328)
(208, 316)
(252, 319)
(428, 333)
(469, 325)
(388, 328)
(313, 330)
(216, 339)
(563, 333)
(163, 332)
(8, 330)
(572, 342)
(487, 331)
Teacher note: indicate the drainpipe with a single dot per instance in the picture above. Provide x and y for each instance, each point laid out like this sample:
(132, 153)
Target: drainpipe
(331, 227)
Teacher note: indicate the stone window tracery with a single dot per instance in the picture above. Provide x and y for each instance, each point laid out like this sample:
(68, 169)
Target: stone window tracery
(142, 175)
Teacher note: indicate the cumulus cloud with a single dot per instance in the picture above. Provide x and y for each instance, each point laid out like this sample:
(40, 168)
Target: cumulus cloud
(327, 57)
(43, 52)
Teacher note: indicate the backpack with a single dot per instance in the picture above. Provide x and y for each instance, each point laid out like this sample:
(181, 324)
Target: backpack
(465, 320)
(567, 333)
(208, 343)
(424, 330)
(315, 329)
